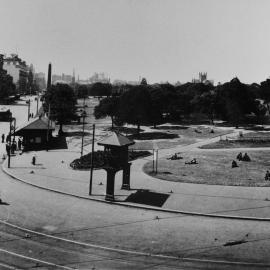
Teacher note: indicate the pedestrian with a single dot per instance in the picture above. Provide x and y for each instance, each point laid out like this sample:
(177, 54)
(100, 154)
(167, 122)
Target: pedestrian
(267, 176)
(8, 138)
(239, 156)
(234, 164)
(8, 148)
(246, 157)
(3, 138)
(19, 144)
(34, 160)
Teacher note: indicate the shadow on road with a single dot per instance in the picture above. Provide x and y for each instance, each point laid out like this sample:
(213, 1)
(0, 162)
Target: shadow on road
(148, 197)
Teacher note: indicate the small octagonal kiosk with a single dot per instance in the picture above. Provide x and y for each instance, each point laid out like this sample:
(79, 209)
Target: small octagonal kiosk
(116, 159)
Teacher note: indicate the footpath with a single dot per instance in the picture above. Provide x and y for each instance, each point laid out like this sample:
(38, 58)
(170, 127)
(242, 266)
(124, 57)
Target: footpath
(52, 172)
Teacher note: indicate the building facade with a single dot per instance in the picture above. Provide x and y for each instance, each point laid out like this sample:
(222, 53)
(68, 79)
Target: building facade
(18, 70)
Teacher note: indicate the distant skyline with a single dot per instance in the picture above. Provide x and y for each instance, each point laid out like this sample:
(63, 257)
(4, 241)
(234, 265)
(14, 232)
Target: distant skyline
(161, 40)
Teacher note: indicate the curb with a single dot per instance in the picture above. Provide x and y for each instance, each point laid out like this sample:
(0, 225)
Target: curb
(164, 210)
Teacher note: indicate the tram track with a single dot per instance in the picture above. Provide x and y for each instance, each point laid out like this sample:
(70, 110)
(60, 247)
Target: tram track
(48, 249)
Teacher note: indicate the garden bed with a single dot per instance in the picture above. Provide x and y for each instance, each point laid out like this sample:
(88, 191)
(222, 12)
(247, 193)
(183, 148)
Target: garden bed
(84, 163)
(153, 136)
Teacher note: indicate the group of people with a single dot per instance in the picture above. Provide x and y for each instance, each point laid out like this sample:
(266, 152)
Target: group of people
(175, 157)
(244, 157)
(31, 115)
(240, 157)
(267, 176)
(193, 161)
(12, 146)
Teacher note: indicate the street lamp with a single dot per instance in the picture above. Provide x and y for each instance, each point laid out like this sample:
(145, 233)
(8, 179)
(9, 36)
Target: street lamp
(37, 98)
(28, 102)
(83, 115)
(11, 127)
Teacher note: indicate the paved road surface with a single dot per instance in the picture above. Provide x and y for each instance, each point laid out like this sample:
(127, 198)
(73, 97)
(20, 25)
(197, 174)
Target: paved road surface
(119, 228)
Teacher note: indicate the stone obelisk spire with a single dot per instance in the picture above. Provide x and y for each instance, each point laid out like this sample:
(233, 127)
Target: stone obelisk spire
(49, 80)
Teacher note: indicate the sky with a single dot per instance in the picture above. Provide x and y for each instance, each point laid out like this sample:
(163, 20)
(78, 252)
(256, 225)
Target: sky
(161, 40)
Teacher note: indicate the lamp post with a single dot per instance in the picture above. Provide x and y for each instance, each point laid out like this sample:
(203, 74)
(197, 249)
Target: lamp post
(83, 116)
(12, 119)
(37, 104)
(92, 162)
(28, 109)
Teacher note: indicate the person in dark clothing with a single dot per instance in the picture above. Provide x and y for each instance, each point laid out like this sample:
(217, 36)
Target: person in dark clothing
(3, 138)
(34, 160)
(234, 164)
(267, 176)
(19, 144)
(246, 157)
(8, 148)
(239, 156)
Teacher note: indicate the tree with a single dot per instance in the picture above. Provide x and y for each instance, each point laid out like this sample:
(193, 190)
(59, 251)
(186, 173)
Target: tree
(107, 107)
(101, 89)
(265, 92)
(135, 106)
(62, 102)
(82, 91)
(206, 103)
(7, 87)
(234, 100)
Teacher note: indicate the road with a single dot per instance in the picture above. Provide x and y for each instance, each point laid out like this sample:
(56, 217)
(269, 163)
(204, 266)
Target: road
(118, 228)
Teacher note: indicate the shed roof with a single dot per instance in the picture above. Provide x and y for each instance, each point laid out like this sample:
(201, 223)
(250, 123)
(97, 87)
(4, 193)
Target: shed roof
(116, 139)
(39, 123)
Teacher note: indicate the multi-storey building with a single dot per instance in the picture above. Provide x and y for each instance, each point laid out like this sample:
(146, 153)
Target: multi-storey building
(18, 70)
(40, 80)
(99, 77)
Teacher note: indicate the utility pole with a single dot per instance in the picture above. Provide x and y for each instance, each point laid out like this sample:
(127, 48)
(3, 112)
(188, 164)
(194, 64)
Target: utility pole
(83, 115)
(37, 104)
(9, 141)
(28, 109)
(92, 162)
(48, 126)
(14, 128)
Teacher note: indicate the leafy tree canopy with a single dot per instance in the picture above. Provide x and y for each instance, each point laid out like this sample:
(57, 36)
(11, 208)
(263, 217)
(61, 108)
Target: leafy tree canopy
(62, 102)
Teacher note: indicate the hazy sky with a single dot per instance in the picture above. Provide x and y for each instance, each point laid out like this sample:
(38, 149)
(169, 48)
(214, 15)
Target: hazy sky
(157, 39)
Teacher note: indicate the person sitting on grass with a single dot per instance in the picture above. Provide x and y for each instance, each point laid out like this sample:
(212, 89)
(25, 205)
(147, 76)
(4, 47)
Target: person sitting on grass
(234, 164)
(193, 161)
(246, 157)
(267, 176)
(239, 156)
(174, 157)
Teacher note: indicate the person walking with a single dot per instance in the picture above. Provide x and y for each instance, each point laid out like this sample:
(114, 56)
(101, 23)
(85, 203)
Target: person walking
(19, 144)
(3, 138)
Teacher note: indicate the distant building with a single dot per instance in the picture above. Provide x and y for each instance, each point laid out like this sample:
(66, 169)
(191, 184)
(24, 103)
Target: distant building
(18, 69)
(64, 78)
(123, 82)
(202, 79)
(99, 77)
(40, 79)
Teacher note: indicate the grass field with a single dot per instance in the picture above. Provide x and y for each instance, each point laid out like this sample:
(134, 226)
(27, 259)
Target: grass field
(249, 140)
(198, 132)
(162, 144)
(215, 169)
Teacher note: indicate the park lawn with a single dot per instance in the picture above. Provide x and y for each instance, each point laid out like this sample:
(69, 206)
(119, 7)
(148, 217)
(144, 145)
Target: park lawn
(235, 144)
(214, 168)
(161, 144)
(248, 140)
(197, 132)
